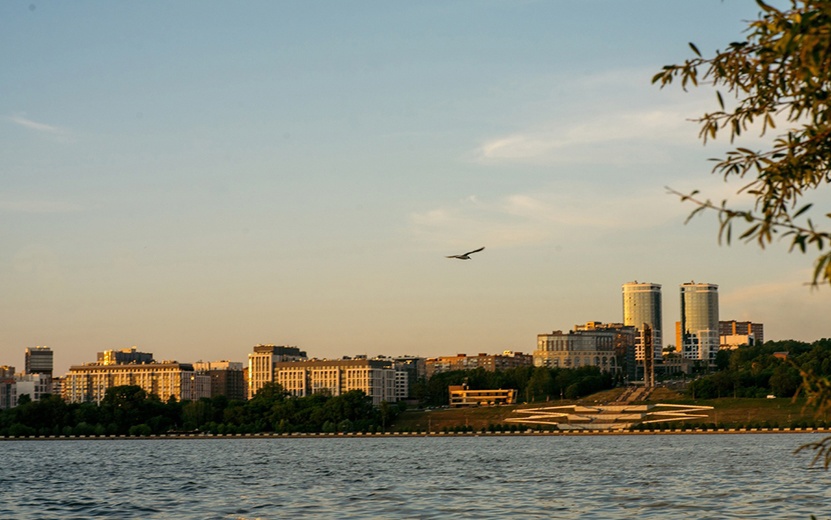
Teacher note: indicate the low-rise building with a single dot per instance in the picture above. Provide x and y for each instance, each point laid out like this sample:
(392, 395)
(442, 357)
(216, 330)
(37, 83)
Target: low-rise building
(461, 395)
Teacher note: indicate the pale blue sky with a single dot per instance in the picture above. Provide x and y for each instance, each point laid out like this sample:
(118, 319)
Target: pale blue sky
(194, 178)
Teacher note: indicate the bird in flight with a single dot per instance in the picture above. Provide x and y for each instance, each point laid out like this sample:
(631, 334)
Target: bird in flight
(465, 256)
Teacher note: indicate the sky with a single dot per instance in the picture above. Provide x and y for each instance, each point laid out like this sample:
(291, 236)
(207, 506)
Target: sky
(195, 178)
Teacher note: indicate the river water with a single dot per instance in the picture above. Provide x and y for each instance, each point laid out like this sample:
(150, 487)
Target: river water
(604, 477)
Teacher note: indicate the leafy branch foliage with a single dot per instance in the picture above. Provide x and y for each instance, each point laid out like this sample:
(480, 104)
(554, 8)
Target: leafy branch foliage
(782, 72)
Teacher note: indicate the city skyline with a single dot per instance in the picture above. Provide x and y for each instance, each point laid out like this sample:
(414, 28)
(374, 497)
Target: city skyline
(198, 178)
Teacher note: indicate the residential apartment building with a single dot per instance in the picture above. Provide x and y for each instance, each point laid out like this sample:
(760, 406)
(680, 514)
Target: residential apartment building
(577, 348)
(227, 378)
(697, 334)
(89, 383)
(642, 309)
(408, 371)
(33, 385)
(375, 377)
(491, 363)
(733, 334)
(35, 381)
(262, 362)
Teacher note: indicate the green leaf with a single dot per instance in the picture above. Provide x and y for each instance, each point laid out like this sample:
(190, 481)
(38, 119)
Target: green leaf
(695, 49)
(805, 208)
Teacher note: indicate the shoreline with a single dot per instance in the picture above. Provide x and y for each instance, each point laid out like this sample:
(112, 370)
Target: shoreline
(353, 435)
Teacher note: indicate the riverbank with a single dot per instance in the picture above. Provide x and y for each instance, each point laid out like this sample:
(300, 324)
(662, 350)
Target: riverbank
(726, 413)
(533, 433)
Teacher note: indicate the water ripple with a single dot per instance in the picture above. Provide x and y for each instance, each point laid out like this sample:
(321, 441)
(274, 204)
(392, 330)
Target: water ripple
(604, 477)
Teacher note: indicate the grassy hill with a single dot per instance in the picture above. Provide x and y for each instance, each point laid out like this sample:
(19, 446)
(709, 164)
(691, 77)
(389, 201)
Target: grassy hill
(727, 412)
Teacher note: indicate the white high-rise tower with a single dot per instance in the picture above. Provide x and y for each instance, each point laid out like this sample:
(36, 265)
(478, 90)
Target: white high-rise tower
(699, 333)
(642, 310)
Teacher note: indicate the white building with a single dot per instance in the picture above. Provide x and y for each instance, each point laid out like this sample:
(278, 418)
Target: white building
(698, 329)
(642, 310)
(33, 385)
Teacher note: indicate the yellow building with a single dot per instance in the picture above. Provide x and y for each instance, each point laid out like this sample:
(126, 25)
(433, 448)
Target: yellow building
(89, 383)
(461, 395)
(375, 377)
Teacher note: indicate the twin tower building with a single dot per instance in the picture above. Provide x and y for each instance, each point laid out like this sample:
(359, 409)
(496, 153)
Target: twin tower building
(696, 334)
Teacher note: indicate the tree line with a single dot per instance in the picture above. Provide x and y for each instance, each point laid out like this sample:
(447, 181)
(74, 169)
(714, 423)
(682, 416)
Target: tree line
(129, 410)
(773, 368)
(531, 383)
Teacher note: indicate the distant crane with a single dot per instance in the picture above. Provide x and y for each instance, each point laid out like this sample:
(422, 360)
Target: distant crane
(465, 256)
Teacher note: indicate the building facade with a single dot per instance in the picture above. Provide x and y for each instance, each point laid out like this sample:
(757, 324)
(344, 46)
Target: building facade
(736, 331)
(642, 309)
(408, 371)
(375, 377)
(227, 378)
(578, 348)
(89, 383)
(8, 389)
(491, 363)
(39, 360)
(697, 333)
(124, 356)
(34, 385)
(262, 362)
(462, 396)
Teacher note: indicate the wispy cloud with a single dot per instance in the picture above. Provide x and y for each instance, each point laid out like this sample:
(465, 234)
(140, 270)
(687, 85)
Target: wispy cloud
(630, 137)
(542, 217)
(35, 125)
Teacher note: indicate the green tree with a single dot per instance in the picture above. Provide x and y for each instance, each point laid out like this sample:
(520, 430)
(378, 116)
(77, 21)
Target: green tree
(781, 74)
(540, 385)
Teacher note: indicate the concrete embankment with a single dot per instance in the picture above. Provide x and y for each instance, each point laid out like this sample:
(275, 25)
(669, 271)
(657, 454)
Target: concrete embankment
(533, 433)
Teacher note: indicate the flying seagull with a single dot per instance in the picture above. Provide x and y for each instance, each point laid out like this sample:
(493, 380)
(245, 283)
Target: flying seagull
(466, 256)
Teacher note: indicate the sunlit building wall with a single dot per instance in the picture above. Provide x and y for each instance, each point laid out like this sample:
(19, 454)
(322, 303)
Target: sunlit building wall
(89, 383)
(376, 378)
(124, 356)
(261, 363)
(491, 363)
(699, 325)
(642, 307)
(742, 328)
(577, 349)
